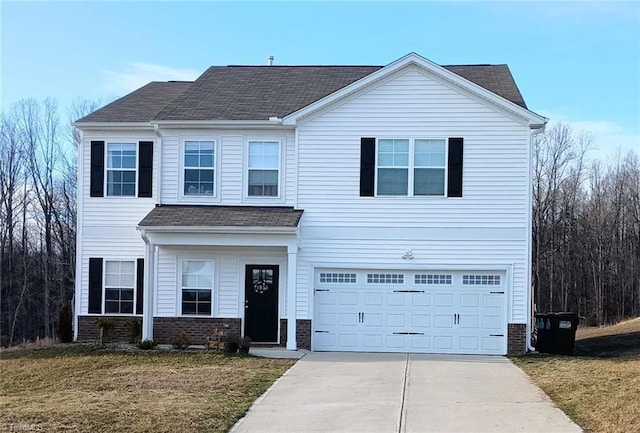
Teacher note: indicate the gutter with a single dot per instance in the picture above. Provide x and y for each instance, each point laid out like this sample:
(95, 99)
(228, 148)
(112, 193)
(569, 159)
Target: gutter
(218, 229)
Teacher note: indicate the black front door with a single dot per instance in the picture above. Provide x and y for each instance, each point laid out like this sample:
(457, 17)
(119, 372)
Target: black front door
(261, 303)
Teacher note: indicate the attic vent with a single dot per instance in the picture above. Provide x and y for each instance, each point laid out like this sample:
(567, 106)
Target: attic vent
(270, 61)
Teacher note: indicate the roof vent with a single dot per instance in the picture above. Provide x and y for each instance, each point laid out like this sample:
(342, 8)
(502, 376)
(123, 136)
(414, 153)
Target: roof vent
(270, 61)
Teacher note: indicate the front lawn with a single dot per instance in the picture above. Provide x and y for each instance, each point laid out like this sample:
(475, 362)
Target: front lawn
(87, 389)
(600, 389)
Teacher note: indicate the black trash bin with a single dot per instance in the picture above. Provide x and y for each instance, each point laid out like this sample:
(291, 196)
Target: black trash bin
(556, 333)
(565, 338)
(543, 332)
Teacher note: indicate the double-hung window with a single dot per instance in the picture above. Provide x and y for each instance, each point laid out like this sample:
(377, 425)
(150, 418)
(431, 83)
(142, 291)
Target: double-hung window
(263, 168)
(199, 168)
(393, 166)
(119, 284)
(197, 287)
(121, 169)
(428, 167)
(415, 167)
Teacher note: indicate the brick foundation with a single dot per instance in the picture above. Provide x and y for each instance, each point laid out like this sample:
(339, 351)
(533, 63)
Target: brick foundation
(198, 328)
(88, 331)
(303, 333)
(516, 339)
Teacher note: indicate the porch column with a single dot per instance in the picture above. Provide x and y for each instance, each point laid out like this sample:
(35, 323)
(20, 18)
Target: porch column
(292, 253)
(147, 302)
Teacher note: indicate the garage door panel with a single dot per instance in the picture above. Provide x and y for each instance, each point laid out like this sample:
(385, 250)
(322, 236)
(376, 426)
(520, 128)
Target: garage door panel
(420, 320)
(327, 319)
(374, 319)
(443, 321)
(374, 299)
(395, 320)
(443, 300)
(348, 298)
(348, 341)
(492, 301)
(470, 343)
(492, 322)
(348, 319)
(469, 321)
(396, 299)
(395, 341)
(420, 299)
(443, 342)
(470, 300)
(407, 314)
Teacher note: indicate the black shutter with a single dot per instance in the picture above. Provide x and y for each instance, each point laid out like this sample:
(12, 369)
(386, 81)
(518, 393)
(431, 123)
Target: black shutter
(97, 169)
(139, 286)
(95, 285)
(145, 169)
(455, 167)
(367, 166)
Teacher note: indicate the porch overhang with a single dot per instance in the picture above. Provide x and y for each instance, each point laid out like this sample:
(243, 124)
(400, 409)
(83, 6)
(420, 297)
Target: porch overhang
(221, 226)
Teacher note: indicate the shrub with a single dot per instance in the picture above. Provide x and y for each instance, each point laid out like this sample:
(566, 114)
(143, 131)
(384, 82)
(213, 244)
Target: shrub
(147, 344)
(134, 330)
(244, 343)
(182, 340)
(64, 330)
(105, 325)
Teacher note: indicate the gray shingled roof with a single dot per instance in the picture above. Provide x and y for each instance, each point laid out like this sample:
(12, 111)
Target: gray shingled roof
(260, 92)
(140, 105)
(227, 216)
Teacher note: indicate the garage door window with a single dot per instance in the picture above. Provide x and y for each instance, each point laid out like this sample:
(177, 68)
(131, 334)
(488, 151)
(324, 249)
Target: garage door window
(337, 277)
(481, 280)
(433, 279)
(385, 278)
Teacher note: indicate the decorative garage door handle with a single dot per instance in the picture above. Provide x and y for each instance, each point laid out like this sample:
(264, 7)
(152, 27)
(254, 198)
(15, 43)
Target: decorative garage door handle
(408, 333)
(408, 291)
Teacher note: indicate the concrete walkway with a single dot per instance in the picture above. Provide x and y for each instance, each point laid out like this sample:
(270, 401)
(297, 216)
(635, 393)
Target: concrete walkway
(370, 393)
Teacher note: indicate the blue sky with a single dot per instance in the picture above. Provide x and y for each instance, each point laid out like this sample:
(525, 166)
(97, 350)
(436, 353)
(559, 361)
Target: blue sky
(578, 62)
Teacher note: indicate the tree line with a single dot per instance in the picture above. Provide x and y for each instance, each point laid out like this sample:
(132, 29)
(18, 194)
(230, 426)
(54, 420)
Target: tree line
(37, 216)
(586, 229)
(586, 223)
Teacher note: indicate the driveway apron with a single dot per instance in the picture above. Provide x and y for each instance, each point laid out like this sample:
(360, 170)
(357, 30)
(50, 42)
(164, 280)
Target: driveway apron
(404, 393)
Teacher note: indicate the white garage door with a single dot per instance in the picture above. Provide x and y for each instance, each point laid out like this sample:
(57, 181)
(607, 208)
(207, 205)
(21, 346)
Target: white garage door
(410, 311)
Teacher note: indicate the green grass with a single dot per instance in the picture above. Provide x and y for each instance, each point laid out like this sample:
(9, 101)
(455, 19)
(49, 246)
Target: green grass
(86, 389)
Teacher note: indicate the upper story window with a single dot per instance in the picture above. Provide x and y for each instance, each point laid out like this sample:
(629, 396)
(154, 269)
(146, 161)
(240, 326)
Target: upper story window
(263, 168)
(393, 167)
(121, 169)
(119, 285)
(197, 287)
(199, 168)
(429, 167)
(411, 167)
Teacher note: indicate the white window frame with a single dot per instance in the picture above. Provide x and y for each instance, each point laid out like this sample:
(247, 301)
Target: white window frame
(107, 169)
(180, 288)
(412, 167)
(216, 171)
(104, 286)
(245, 184)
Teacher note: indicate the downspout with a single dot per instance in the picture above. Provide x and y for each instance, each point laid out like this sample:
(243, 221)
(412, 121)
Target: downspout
(532, 135)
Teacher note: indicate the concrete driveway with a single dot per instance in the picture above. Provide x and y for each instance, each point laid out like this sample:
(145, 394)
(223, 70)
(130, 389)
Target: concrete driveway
(367, 393)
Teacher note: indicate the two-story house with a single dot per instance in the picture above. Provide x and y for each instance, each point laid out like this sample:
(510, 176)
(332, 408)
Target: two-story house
(332, 208)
